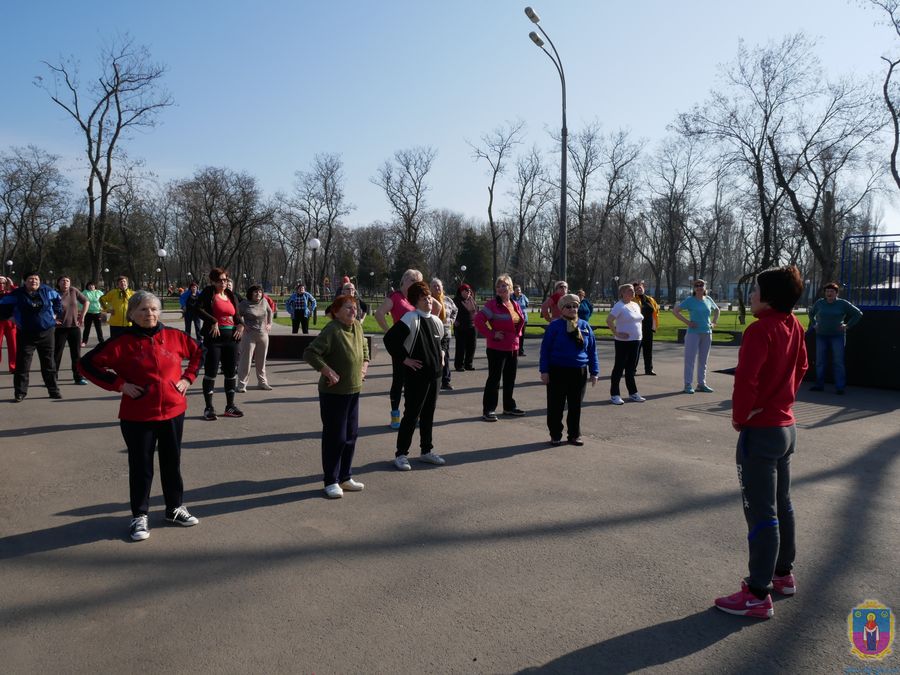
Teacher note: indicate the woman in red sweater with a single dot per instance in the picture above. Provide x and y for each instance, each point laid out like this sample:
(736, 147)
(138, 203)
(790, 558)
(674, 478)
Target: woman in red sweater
(771, 365)
(502, 323)
(144, 362)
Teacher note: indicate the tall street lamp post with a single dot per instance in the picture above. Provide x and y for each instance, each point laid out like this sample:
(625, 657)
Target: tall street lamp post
(162, 253)
(563, 186)
(314, 245)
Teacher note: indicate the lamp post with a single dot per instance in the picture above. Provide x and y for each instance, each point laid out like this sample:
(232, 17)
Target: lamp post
(564, 144)
(806, 285)
(462, 274)
(162, 253)
(372, 283)
(314, 245)
(615, 292)
(106, 274)
(9, 271)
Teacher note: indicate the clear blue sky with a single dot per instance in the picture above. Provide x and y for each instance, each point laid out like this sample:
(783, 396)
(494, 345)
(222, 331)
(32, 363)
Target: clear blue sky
(263, 86)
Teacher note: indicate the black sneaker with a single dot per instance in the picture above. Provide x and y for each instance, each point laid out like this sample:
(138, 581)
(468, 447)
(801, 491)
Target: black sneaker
(555, 442)
(446, 387)
(55, 394)
(576, 441)
(180, 516)
(139, 529)
(232, 411)
(210, 415)
(19, 398)
(490, 417)
(515, 412)
(470, 367)
(81, 380)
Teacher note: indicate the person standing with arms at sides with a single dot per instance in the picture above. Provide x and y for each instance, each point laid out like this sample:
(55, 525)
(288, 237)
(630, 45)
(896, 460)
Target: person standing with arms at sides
(650, 312)
(68, 325)
(624, 320)
(8, 326)
(550, 306)
(415, 341)
(568, 355)
(522, 301)
(189, 301)
(397, 304)
(223, 328)
(341, 354)
(300, 306)
(464, 327)
(92, 318)
(145, 364)
(831, 317)
(115, 303)
(704, 314)
(34, 306)
(585, 306)
(771, 365)
(257, 316)
(446, 312)
(501, 323)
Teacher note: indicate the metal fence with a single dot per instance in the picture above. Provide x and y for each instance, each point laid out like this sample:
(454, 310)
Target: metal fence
(869, 277)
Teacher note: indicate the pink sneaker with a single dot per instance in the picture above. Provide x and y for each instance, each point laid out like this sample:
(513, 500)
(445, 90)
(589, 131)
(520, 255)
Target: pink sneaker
(744, 603)
(785, 585)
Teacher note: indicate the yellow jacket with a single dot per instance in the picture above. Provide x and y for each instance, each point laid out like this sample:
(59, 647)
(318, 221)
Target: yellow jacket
(116, 303)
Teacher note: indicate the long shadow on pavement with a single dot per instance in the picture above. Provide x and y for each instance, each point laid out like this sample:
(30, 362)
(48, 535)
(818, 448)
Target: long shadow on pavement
(649, 646)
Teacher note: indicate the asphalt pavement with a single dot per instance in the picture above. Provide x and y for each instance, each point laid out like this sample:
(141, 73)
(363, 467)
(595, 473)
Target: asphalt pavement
(513, 557)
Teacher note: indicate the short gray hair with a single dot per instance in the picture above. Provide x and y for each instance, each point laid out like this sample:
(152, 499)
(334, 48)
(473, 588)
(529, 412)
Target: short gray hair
(138, 299)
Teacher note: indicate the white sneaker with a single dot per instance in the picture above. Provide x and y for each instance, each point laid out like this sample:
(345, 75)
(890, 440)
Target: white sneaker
(617, 400)
(241, 389)
(138, 530)
(402, 463)
(333, 491)
(637, 398)
(351, 485)
(265, 386)
(432, 458)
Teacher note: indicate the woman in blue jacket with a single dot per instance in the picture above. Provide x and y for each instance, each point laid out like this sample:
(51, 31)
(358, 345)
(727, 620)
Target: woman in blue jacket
(568, 356)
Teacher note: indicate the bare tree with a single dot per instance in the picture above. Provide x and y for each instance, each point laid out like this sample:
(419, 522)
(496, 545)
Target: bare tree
(33, 203)
(532, 193)
(891, 8)
(403, 182)
(125, 96)
(319, 204)
(221, 210)
(495, 148)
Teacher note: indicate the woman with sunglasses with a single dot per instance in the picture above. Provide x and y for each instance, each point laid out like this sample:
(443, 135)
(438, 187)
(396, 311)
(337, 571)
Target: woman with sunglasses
(568, 354)
(222, 330)
(703, 314)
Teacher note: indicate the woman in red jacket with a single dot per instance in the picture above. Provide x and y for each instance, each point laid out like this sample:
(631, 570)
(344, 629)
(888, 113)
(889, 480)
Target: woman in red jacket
(501, 322)
(145, 363)
(771, 365)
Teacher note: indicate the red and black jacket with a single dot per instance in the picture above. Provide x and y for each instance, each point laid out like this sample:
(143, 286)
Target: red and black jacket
(152, 359)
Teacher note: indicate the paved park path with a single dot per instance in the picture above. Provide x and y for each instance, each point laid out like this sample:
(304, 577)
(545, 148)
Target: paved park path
(514, 557)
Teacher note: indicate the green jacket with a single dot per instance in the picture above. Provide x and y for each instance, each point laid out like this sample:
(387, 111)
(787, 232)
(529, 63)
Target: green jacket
(344, 349)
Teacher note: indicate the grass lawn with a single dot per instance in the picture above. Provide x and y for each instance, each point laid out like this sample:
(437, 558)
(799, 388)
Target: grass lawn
(668, 325)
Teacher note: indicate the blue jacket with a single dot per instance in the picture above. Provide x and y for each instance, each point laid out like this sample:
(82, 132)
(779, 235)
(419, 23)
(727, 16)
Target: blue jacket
(561, 350)
(304, 302)
(34, 314)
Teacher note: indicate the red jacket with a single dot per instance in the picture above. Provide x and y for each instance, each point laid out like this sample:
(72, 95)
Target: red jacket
(771, 365)
(150, 359)
(494, 317)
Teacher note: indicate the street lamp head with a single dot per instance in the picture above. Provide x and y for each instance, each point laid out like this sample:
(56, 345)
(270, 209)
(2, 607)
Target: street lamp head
(463, 268)
(106, 270)
(532, 15)
(161, 253)
(158, 270)
(9, 263)
(535, 39)
(314, 244)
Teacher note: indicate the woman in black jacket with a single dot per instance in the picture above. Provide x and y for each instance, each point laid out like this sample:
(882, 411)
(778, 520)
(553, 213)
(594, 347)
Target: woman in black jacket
(464, 327)
(415, 342)
(222, 329)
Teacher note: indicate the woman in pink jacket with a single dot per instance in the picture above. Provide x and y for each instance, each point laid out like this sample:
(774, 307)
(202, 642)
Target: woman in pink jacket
(501, 323)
